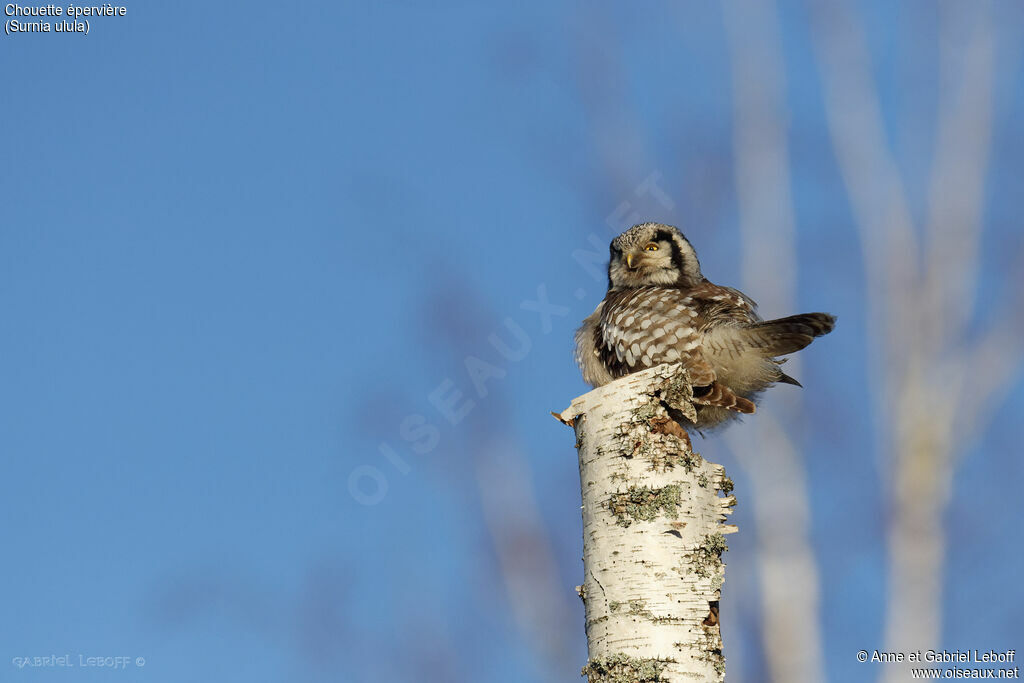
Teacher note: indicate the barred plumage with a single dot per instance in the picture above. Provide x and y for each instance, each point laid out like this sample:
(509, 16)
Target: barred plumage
(659, 308)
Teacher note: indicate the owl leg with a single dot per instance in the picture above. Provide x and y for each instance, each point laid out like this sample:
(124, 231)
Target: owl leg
(698, 370)
(708, 391)
(717, 394)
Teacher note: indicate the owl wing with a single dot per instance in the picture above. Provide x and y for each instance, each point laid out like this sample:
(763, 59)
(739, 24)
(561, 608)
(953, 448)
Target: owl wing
(731, 326)
(588, 356)
(716, 305)
(644, 327)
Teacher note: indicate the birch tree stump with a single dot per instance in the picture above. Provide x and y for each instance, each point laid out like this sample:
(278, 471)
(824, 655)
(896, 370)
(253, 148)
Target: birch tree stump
(653, 533)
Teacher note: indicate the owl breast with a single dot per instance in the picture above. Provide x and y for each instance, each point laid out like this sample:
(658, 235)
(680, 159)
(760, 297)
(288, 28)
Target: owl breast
(636, 329)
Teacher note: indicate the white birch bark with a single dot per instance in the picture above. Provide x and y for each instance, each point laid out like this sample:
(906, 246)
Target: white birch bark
(653, 533)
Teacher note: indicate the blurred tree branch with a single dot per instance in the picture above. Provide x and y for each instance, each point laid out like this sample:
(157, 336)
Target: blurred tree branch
(522, 540)
(921, 297)
(786, 564)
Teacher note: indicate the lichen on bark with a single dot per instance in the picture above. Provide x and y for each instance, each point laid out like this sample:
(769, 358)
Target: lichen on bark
(642, 503)
(624, 669)
(706, 560)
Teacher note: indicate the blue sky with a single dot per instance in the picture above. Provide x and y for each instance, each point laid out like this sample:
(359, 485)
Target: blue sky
(240, 245)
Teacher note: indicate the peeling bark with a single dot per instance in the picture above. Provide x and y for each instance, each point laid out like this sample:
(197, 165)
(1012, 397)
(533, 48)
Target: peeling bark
(653, 533)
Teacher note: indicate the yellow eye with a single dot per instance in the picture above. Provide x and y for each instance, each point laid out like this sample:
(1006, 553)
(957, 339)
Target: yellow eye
(651, 247)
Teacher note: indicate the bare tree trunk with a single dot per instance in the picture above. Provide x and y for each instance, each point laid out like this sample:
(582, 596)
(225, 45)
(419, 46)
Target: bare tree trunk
(921, 288)
(653, 533)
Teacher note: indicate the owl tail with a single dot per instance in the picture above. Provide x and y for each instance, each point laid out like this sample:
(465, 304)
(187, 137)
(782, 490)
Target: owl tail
(786, 335)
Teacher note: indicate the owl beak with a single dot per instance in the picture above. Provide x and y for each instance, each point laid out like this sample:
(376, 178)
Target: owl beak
(631, 259)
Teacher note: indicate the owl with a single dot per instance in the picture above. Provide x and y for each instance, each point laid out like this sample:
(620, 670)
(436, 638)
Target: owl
(660, 308)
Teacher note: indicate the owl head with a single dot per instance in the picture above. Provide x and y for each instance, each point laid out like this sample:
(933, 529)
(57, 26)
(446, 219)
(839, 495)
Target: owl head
(652, 254)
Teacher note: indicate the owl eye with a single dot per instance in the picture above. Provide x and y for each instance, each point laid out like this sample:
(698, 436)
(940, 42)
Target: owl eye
(651, 247)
